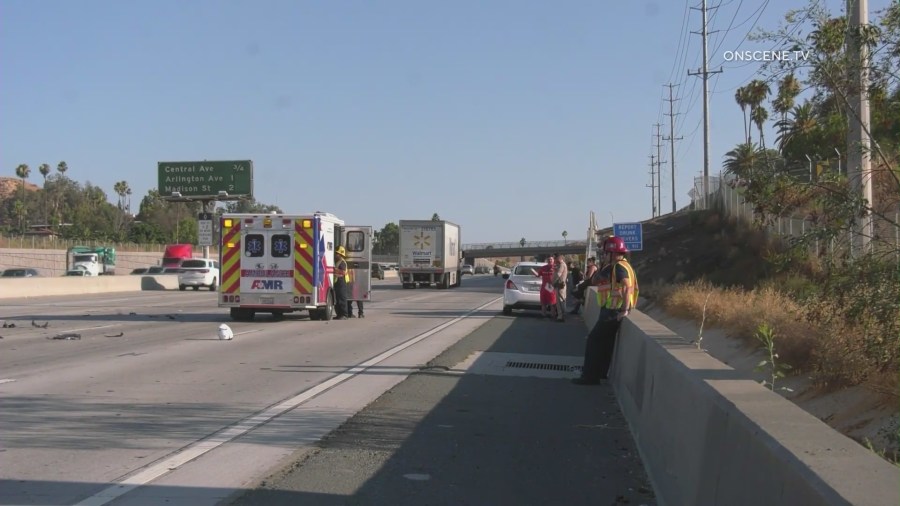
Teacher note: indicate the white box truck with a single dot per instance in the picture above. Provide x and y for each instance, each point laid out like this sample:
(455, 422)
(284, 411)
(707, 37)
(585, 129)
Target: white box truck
(429, 254)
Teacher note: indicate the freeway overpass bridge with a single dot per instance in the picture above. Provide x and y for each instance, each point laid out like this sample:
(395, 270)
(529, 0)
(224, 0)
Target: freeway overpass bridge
(515, 249)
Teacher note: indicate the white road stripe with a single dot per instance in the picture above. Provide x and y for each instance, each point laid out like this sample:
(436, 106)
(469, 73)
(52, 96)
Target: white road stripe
(198, 448)
(7, 380)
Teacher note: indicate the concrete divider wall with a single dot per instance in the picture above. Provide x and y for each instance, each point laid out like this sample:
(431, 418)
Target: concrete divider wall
(18, 288)
(52, 263)
(707, 436)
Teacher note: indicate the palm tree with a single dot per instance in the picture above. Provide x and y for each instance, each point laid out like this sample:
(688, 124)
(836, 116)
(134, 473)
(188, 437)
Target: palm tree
(759, 116)
(23, 171)
(788, 89)
(565, 234)
(62, 167)
(740, 96)
(757, 91)
(522, 242)
(121, 188)
(741, 160)
(44, 169)
(795, 133)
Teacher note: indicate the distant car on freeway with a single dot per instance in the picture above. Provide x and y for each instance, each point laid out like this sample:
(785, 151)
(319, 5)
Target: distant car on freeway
(377, 271)
(140, 270)
(197, 272)
(522, 289)
(156, 269)
(77, 272)
(20, 273)
(468, 269)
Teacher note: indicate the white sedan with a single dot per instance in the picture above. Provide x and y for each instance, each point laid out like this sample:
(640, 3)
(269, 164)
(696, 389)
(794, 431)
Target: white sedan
(197, 272)
(522, 289)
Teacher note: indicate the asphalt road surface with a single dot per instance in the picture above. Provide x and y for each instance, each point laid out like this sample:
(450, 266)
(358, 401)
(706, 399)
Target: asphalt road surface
(147, 406)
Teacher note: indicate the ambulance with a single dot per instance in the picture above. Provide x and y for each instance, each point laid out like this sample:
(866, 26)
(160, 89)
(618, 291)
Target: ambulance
(282, 263)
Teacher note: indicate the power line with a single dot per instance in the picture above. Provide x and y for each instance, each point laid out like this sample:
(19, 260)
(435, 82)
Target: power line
(704, 73)
(671, 138)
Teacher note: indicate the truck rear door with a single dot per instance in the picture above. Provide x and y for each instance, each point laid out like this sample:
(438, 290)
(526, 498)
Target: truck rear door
(357, 240)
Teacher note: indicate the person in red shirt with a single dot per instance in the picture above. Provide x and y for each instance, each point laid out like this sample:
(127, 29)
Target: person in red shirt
(548, 291)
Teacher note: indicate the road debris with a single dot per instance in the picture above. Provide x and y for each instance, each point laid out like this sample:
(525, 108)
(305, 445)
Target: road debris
(225, 332)
(120, 334)
(67, 336)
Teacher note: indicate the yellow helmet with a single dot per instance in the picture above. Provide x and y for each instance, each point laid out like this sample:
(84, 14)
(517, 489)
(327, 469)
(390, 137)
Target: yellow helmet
(341, 251)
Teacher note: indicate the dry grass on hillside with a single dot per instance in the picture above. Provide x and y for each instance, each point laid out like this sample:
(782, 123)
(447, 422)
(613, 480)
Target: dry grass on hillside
(740, 313)
(843, 332)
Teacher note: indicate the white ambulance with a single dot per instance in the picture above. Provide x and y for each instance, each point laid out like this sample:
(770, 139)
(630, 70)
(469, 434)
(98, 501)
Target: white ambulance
(280, 263)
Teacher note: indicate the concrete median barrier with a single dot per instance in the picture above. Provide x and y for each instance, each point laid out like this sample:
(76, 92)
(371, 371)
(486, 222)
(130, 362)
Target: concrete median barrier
(18, 288)
(708, 436)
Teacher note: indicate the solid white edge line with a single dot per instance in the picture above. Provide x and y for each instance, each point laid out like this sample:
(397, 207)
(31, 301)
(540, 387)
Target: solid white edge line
(202, 446)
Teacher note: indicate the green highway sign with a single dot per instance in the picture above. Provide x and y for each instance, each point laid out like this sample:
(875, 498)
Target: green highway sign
(206, 179)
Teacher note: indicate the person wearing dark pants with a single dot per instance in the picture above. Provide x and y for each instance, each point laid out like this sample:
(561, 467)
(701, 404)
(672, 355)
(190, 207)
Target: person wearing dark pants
(359, 309)
(341, 277)
(617, 295)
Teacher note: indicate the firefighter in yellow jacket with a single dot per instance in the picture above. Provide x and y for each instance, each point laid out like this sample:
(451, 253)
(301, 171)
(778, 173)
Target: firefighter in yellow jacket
(341, 279)
(617, 293)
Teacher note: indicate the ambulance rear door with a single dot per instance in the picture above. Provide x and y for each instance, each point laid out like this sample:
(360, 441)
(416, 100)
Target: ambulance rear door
(357, 240)
(267, 267)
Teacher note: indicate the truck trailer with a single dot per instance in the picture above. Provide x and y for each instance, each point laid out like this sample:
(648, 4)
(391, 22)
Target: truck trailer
(281, 263)
(429, 254)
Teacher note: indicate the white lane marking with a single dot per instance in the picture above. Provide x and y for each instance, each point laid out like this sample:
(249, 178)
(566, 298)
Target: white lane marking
(248, 332)
(198, 448)
(97, 327)
(7, 380)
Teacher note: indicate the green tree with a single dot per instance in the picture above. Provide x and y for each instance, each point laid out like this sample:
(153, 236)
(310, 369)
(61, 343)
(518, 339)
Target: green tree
(565, 234)
(387, 240)
(435, 217)
(62, 167)
(250, 205)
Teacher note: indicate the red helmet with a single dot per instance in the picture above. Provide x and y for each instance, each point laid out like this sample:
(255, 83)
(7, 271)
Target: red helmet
(614, 245)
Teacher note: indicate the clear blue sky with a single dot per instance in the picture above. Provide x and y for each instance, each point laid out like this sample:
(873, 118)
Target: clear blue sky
(513, 118)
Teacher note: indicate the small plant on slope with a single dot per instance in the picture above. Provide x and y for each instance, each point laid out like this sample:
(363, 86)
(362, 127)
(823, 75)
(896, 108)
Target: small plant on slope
(766, 335)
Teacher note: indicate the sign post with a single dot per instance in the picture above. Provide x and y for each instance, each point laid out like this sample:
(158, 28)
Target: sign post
(205, 232)
(631, 233)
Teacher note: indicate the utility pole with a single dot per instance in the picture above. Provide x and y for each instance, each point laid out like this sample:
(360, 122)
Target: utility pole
(859, 167)
(653, 184)
(671, 138)
(659, 163)
(704, 74)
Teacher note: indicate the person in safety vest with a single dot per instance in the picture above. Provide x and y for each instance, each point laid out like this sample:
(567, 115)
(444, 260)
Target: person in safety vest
(617, 292)
(341, 278)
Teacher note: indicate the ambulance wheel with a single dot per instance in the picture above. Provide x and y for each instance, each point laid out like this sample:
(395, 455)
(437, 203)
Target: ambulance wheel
(328, 311)
(445, 281)
(182, 287)
(196, 288)
(278, 315)
(314, 314)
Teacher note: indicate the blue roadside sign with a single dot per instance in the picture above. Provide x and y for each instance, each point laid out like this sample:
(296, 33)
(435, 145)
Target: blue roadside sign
(631, 233)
